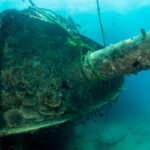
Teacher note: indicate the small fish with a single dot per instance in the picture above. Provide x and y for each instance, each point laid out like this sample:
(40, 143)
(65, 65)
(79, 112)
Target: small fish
(143, 32)
(84, 31)
(83, 123)
(78, 25)
(71, 24)
(101, 115)
(5, 88)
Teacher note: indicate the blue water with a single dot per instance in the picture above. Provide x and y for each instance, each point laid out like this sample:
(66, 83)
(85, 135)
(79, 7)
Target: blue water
(131, 112)
(129, 117)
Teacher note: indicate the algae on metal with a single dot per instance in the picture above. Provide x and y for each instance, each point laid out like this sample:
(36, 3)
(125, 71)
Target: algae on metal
(41, 66)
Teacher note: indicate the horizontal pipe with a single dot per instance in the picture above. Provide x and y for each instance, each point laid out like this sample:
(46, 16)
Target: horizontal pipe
(126, 57)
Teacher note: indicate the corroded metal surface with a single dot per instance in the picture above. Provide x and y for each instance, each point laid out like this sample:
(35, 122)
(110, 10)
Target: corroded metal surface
(41, 79)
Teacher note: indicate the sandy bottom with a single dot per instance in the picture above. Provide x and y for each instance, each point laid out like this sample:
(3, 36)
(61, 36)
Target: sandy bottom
(127, 133)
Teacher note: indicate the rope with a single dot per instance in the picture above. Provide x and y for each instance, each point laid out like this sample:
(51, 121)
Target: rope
(87, 56)
(81, 51)
(81, 65)
(100, 22)
(97, 74)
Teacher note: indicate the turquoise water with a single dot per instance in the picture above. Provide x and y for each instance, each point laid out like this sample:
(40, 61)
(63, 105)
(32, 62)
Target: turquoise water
(125, 124)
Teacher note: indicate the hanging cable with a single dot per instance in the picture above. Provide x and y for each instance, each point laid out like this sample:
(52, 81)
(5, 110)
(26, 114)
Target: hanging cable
(31, 3)
(100, 22)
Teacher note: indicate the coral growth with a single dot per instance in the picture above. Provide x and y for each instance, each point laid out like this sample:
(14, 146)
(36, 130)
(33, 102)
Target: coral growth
(51, 103)
(13, 118)
(31, 113)
(8, 101)
(24, 81)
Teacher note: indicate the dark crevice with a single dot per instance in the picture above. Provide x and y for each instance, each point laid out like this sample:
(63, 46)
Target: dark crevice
(135, 64)
(64, 85)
